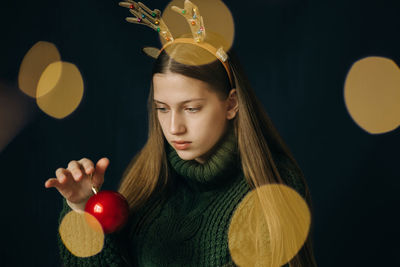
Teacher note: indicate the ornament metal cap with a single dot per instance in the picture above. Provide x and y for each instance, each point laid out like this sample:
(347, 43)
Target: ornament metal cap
(94, 189)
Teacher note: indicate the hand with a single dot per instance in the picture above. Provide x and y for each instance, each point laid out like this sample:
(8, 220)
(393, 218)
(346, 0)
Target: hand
(75, 182)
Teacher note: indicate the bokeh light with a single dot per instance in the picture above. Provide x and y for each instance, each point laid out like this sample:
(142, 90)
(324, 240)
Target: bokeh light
(217, 34)
(34, 63)
(250, 241)
(15, 112)
(81, 234)
(372, 94)
(60, 97)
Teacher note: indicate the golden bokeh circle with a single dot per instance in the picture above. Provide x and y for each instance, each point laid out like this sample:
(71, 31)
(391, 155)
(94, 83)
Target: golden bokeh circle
(219, 28)
(49, 78)
(81, 234)
(268, 227)
(60, 97)
(372, 94)
(34, 63)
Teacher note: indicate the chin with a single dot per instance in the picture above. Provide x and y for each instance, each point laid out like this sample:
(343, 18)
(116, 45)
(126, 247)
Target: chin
(186, 155)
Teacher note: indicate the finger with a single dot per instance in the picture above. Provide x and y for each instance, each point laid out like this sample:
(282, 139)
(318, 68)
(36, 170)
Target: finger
(88, 165)
(63, 175)
(76, 169)
(52, 182)
(101, 167)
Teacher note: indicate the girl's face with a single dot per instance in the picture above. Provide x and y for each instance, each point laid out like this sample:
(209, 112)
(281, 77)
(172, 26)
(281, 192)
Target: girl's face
(189, 111)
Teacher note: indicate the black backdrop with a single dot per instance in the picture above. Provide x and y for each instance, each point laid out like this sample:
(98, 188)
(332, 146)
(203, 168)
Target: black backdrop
(296, 53)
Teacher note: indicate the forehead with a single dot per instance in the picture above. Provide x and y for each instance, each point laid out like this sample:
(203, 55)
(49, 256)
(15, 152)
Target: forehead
(173, 87)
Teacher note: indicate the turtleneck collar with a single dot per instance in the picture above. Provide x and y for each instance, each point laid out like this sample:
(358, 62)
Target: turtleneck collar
(219, 167)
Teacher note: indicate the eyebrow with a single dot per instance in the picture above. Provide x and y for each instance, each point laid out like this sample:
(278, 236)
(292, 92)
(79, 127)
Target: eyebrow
(183, 102)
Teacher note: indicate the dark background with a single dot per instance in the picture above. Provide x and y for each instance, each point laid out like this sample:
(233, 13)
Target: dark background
(296, 53)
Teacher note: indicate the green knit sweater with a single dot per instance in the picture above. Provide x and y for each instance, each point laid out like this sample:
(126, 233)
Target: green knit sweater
(188, 226)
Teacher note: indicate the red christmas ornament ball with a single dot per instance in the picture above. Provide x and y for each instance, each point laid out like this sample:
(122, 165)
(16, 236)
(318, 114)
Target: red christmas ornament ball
(110, 208)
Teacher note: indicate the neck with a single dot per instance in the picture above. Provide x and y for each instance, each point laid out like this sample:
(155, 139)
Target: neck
(221, 162)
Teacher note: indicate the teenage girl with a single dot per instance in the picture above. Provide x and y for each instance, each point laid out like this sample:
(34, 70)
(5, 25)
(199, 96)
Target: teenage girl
(210, 143)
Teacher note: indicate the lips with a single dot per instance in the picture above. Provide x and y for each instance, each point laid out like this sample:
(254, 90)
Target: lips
(181, 145)
(180, 142)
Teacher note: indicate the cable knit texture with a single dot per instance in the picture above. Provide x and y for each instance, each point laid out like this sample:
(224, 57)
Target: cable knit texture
(189, 227)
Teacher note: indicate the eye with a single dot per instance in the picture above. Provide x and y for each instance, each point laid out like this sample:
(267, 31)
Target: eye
(193, 110)
(163, 110)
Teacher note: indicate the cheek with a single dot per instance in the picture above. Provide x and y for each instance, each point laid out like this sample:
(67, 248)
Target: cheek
(211, 122)
(216, 117)
(163, 120)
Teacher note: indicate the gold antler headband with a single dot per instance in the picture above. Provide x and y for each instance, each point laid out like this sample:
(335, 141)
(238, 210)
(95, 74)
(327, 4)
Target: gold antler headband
(152, 19)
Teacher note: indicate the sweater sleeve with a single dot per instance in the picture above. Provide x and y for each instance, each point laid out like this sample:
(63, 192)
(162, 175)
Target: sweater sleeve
(111, 255)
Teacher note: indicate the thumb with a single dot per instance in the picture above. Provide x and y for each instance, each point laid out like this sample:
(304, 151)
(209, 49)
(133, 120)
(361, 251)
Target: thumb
(101, 166)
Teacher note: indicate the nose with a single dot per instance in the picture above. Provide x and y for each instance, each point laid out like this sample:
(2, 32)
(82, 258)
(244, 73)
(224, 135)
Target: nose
(177, 125)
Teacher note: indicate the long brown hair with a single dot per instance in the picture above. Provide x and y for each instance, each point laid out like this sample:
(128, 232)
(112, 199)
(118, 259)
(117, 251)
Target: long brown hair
(258, 140)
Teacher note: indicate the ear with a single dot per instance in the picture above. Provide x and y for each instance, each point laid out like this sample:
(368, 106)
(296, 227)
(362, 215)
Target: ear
(232, 104)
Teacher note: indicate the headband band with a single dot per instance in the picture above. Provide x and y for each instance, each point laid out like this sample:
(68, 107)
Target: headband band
(219, 53)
